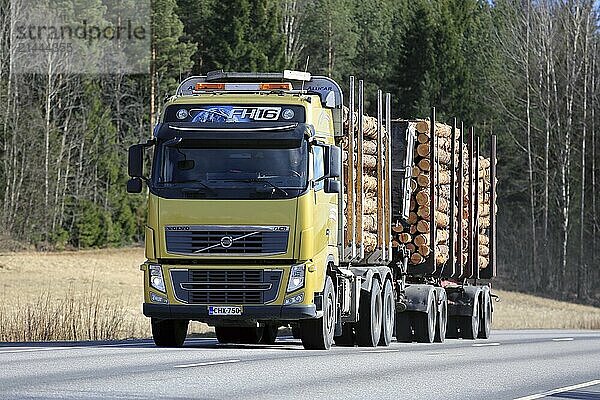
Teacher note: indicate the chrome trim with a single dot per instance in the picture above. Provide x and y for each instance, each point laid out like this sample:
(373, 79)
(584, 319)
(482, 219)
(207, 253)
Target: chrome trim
(265, 286)
(221, 244)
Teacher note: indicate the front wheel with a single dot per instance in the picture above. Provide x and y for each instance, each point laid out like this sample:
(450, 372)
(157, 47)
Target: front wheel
(169, 332)
(317, 334)
(485, 322)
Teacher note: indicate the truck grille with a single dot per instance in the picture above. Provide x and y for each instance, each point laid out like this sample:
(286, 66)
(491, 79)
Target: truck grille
(220, 286)
(211, 240)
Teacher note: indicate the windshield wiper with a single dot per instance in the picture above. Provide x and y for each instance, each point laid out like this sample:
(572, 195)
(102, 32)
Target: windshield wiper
(258, 180)
(193, 181)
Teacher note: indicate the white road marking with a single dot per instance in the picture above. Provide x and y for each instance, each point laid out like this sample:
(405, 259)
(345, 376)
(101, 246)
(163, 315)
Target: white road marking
(563, 339)
(485, 344)
(204, 364)
(380, 351)
(560, 390)
(31, 350)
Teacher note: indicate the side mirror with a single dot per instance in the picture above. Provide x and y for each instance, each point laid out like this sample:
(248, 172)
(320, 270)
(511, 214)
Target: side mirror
(136, 161)
(333, 162)
(332, 186)
(134, 185)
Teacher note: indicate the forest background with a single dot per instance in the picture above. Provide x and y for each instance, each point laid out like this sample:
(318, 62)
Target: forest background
(527, 71)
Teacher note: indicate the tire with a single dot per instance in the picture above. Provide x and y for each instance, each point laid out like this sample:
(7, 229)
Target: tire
(425, 324)
(251, 335)
(368, 327)
(269, 334)
(469, 325)
(485, 323)
(169, 332)
(387, 315)
(227, 334)
(452, 328)
(296, 334)
(442, 322)
(404, 327)
(317, 334)
(347, 338)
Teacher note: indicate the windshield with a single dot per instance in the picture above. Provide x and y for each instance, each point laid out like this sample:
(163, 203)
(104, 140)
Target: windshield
(249, 170)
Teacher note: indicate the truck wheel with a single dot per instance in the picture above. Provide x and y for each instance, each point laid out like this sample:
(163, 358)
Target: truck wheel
(452, 328)
(347, 336)
(425, 324)
(485, 324)
(317, 334)
(442, 321)
(251, 335)
(389, 311)
(269, 335)
(403, 327)
(368, 327)
(227, 334)
(469, 325)
(296, 334)
(169, 332)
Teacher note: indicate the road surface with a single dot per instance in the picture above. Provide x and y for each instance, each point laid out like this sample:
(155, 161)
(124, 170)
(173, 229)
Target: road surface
(511, 364)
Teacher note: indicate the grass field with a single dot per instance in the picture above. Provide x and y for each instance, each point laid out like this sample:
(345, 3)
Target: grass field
(98, 294)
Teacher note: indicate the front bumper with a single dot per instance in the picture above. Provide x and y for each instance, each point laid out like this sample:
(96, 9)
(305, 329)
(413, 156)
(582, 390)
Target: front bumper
(200, 312)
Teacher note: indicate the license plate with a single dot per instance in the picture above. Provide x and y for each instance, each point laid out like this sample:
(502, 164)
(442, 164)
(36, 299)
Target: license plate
(224, 310)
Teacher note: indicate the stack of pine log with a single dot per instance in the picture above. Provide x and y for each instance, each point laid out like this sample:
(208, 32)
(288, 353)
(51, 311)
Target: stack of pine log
(369, 177)
(416, 237)
(484, 212)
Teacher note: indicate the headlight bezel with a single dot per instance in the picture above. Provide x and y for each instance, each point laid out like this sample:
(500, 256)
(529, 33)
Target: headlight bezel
(296, 278)
(156, 278)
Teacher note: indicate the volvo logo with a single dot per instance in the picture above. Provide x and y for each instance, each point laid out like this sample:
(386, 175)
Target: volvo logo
(226, 241)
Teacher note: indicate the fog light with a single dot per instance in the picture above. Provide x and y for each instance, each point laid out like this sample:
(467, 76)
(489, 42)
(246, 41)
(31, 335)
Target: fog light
(156, 298)
(299, 298)
(156, 277)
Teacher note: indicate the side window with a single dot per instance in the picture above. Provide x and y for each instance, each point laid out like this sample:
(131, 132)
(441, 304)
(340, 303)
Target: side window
(318, 166)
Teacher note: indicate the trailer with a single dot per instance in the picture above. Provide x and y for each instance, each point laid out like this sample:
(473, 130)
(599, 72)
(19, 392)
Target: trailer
(264, 210)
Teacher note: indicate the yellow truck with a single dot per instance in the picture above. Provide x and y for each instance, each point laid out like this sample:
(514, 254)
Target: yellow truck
(247, 225)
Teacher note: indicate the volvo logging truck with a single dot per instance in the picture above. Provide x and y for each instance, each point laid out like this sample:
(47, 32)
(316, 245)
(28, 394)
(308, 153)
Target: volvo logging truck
(257, 220)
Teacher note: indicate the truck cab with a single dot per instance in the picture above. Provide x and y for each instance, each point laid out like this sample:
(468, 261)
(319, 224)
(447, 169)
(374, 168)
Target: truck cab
(243, 198)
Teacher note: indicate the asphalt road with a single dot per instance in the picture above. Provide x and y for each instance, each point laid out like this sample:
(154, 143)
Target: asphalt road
(511, 364)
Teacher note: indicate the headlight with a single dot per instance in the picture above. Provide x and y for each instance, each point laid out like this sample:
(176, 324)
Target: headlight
(296, 280)
(156, 277)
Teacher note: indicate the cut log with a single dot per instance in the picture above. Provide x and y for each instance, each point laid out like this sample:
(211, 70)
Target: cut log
(423, 212)
(422, 197)
(412, 218)
(423, 226)
(404, 237)
(424, 250)
(416, 258)
(398, 228)
(442, 235)
(423, 149)
(421, 239)
(423, 138)
(422, 126)
(483, 250)
(411, 247)
(424, 164)
(423, 180)
(416, 171)
(370, 147)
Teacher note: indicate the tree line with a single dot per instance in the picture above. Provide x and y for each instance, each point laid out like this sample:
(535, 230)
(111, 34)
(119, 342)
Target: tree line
(525, 70)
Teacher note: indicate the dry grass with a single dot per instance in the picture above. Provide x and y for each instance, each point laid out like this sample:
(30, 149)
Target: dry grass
(98, 294)
(523, 311)
(84, 295)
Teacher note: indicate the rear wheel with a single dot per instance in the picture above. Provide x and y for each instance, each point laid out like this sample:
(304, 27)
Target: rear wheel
(388, 313)
(317, 334)
(425, 323)
(452, 328)
(442, 321)
(404, 327)
(169, 332)
(368, 328)
(469, 325)
(485, 323)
